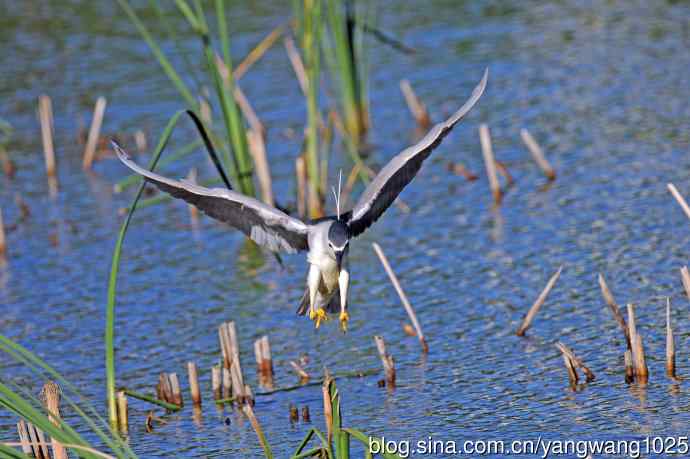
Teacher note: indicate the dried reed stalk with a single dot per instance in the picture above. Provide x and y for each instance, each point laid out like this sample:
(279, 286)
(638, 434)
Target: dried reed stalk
(164, 389)
(176, 390)
(140, 141)
(327, 406)
(403, 298)
(684, 205)
(416, 106)
(205, 111)
(264, 363)
(296, 62)
(258, 51)
(490, 162)
(227, 382)
(122, 411)
(193, 376)
(294, 413)
(640, 369)
(303, 375)
(503, 170)
(247, 110)
(249, 412)
(24, 439)
(615, 310)
(257, 147)
(51, 399)
(572, 374)
(37, 440)
(45, 113)
(527, 321)
(216, 384)
(386, 361)
(236, 376)
(577, 362)
(629, 371)
(670, 345)
(537, 154)
(94, 133)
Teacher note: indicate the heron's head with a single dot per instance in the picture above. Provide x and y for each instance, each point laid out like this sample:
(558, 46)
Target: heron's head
(338, 240)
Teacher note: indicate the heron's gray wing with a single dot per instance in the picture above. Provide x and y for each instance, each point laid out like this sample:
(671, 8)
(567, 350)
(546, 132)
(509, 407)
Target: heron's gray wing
(264, 224)
(400, 170)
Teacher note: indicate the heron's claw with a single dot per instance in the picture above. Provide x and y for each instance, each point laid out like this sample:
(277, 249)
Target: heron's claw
(312, 314)
(344, 317)
(320, 315)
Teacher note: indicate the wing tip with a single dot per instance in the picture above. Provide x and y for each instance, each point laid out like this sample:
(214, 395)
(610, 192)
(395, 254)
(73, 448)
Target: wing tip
(482, 84)
(119, 151)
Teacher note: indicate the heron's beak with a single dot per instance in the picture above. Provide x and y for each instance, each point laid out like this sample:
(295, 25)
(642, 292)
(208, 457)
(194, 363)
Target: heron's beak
(339, 258)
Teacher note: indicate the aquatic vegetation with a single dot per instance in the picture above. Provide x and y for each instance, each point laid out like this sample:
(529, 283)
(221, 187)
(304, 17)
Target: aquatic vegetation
(309, 28)
(22, 403)
(344, 49)
(237, 157)
(115, 265)
(334, 444)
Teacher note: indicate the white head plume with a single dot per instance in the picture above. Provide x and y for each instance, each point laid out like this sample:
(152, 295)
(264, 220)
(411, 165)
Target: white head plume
(337, 195)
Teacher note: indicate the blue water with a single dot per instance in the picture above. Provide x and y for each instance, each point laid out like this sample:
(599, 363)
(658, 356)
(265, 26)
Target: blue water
(603, 86)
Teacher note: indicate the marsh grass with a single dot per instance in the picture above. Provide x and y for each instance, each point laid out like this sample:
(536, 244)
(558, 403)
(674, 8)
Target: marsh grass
(344, 50)
(335, 444)
(236, 154)
(309, 28)
(22, 403)
(115, 265)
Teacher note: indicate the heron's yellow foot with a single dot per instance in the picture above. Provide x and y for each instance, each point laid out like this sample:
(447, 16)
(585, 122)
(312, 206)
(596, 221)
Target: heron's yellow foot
(312, 314)
(320, 315)
(344, 317)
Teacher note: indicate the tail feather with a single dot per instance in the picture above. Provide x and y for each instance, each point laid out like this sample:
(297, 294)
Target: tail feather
(331, 304)
(304, 303)
(334, 302)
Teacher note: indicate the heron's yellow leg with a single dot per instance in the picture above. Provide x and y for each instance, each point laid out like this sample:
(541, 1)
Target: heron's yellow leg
(320, 315)
(344, 317)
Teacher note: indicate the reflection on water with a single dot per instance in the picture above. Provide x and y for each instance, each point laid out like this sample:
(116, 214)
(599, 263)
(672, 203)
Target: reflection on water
(603, 89)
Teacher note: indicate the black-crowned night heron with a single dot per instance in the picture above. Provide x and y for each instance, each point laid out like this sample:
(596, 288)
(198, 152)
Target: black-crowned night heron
(326, 239)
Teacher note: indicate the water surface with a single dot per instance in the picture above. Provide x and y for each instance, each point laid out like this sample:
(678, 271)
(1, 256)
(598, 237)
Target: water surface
(602, 85)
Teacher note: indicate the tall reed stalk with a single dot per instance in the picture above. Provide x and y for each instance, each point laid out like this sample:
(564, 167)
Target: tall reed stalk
(308, 14)
(345, 55)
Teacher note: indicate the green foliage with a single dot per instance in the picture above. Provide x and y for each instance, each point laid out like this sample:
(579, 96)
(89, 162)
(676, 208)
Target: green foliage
(115, 265)
(23, 404)
(339, 447)
(346, 57)
(237, 156)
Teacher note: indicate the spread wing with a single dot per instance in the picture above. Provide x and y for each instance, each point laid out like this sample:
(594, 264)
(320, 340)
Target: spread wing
(264, 224)
(400, 171)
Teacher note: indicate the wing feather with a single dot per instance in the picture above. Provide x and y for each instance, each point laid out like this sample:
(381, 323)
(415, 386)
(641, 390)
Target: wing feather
(400, 170)
(265, 225)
